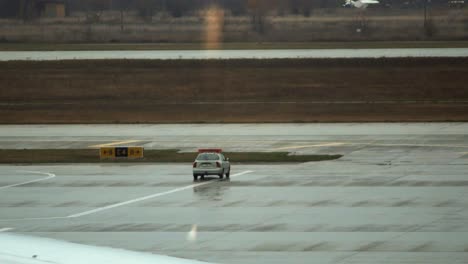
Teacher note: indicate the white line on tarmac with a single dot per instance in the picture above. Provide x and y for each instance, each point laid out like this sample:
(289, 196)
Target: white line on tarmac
(122, 203)
(5, 229)
(418, 145)
(330, 144)
(50, 176)
(335, 144)
(148, 197)
(115, 143)
(34, 218)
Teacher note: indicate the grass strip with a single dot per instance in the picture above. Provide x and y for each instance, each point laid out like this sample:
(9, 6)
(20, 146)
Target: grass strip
(231, 45)
(152, 155)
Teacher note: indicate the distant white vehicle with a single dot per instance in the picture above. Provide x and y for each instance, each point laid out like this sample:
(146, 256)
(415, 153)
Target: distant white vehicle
(18, 249)
(361, 4)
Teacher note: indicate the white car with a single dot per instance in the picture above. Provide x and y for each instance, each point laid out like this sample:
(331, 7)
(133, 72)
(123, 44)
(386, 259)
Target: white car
(211, 162)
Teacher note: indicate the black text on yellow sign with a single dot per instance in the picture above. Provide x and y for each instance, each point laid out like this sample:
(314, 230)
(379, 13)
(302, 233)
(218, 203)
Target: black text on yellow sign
(122, 152)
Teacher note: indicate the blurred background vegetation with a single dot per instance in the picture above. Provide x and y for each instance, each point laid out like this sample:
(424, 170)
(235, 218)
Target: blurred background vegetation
(28, 9)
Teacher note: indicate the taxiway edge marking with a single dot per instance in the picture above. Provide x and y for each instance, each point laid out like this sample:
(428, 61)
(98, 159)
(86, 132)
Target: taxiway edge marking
(113, 144)
(49, 176)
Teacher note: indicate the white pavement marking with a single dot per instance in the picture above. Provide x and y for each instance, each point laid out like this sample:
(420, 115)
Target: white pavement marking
(115, 143)
(148, 197)
(336, 144)
(5, 229)
(117, 204)
(330, 144)
(50, 176)
(34, 218)
(418, 145)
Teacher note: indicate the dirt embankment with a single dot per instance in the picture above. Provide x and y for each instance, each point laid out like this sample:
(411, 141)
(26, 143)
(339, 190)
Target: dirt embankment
(282, 90)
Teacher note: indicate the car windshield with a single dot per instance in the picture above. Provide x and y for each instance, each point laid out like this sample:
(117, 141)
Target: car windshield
(208, 156)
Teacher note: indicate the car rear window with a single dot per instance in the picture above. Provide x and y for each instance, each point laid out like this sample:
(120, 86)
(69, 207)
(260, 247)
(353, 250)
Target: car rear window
(208, 156)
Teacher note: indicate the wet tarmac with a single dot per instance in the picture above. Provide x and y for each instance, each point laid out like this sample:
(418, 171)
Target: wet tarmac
(234, 54)
(342, 138)
(399, 195)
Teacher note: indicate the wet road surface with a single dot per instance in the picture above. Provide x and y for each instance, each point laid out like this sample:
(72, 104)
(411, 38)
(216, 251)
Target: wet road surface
(234, 54)
(339, 138)
(399, 195)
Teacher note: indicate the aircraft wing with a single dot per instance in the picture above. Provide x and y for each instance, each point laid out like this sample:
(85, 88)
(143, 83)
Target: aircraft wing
(17, 249)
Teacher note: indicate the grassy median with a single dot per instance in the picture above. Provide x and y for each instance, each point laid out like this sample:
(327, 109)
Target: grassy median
(231, 45)
(171, 155)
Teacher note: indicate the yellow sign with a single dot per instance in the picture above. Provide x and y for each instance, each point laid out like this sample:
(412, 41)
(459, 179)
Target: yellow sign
(122, 152)
(107, 153)
(135, 152)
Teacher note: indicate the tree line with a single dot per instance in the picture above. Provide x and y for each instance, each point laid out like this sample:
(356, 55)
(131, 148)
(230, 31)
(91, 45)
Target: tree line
(177, 8)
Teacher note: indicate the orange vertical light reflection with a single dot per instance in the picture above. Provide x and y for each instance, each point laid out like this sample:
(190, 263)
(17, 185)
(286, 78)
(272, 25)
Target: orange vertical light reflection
(214, 22)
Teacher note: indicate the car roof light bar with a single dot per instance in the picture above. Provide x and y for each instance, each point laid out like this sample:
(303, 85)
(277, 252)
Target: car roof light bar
(210, 150)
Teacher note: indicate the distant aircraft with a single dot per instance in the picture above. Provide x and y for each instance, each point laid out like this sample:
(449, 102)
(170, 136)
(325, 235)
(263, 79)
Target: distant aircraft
(16, 249)
(361, 4)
